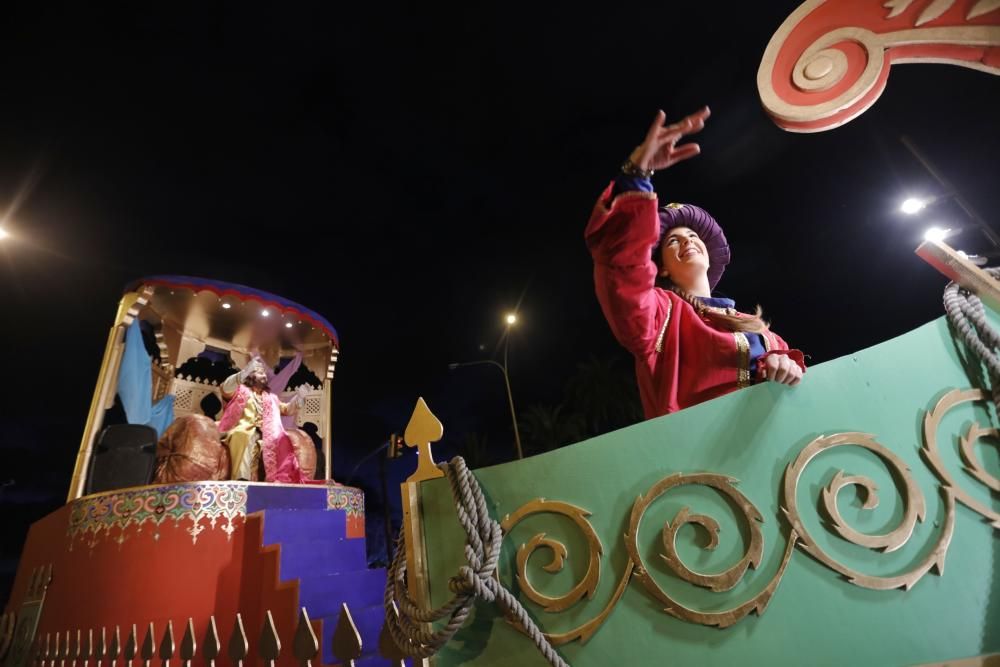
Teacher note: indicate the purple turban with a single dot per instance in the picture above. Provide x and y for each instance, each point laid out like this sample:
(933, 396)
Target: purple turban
(698, 219)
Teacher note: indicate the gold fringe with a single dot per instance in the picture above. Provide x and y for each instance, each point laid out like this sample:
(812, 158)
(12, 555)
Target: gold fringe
(743, 347)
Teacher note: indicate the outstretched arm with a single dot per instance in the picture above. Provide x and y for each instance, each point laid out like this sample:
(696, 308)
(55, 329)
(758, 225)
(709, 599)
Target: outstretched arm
(622, 231)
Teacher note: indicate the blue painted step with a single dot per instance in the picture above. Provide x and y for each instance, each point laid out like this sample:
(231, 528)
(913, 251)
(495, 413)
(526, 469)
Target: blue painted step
(303, 560)
(331, 568)
(375, 661)
(267, 496)
(295, 526)
(322, 595)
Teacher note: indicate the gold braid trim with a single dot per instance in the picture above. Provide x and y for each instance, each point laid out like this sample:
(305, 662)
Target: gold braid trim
(743, 348)
(663, 329)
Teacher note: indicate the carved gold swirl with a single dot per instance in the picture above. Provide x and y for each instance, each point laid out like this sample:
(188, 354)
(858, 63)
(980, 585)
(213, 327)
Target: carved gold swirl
(932, 420)
(720, 582)
(587, 630)
(972, 463)
(915, 510)
(587, 585)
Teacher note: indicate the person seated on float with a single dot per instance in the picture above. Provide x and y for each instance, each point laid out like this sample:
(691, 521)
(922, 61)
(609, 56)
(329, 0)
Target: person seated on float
(251, 427)
(654, 271)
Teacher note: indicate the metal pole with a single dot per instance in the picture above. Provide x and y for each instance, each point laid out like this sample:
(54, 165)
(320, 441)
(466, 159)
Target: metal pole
(510, 396)
(953, 191)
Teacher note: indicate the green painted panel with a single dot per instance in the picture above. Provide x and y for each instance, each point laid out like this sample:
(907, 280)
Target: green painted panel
(816, 616)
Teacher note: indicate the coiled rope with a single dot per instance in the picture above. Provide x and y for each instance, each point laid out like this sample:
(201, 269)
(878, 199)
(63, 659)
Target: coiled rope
(473, 580)
(968, 317)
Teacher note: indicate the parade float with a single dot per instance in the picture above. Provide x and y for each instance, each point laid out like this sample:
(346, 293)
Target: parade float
(157, 553)
(855, 520)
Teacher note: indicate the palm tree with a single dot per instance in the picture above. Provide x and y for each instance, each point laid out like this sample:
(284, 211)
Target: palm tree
(544, 428)
(604, 393)
(476, 449)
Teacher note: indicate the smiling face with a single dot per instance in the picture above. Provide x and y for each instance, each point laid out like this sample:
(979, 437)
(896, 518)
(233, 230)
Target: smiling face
(683, 258)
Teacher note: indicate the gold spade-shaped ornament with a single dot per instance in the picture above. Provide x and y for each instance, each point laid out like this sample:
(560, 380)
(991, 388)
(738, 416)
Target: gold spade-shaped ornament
(423, 429)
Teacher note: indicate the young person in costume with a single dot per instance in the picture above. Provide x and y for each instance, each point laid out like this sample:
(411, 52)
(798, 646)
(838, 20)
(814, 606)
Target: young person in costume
(654, 270)
(251, 428)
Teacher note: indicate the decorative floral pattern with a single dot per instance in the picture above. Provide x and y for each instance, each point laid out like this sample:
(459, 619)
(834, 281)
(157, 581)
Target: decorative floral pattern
(203, 504)
(345, 498)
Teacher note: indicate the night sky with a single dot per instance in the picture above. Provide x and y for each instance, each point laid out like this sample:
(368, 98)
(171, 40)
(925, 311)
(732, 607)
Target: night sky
(412, 173)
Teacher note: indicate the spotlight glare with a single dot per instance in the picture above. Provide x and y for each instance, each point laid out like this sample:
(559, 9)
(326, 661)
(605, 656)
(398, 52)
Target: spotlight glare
(936, 234)
(265, 313)
(912, 206)
(288, 325)
(511, 318)
(227, 306)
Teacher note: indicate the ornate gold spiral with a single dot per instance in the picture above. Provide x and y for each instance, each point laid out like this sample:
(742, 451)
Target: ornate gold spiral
(586, 586)
(716, 582)
(932, 420)
(915, 510)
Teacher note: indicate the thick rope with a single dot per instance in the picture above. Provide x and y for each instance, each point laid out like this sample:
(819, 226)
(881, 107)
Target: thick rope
(968, 317)
(473, 580)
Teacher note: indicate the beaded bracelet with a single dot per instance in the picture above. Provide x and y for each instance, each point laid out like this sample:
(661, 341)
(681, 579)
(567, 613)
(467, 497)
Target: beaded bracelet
(629, 168)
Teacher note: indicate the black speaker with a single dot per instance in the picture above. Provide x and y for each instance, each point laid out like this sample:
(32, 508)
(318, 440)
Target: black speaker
(124, 456)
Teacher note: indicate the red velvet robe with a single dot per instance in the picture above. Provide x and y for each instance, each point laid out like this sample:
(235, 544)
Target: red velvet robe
(680, 357)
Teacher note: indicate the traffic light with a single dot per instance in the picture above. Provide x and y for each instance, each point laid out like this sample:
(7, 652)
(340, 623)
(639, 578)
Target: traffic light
(396, 445)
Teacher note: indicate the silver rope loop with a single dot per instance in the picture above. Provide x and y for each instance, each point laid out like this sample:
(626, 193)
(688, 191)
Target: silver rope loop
(473, 580)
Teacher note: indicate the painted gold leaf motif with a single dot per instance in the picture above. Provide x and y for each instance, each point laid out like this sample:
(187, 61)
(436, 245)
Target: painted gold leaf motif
(936, 8)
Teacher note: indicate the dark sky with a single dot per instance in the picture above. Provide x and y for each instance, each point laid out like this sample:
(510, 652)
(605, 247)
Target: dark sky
(411, 173)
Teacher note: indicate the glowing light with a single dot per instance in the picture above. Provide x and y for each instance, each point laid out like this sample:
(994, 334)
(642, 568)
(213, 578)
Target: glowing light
(265, 313)
(511, 318)
(288, 325)
(912, 206)
(3, 233)
(936, 234)
(227, 306)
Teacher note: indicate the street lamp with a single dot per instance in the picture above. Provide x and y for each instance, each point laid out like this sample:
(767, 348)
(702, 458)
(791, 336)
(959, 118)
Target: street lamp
(936, 234)
(511, 320)
(912, 205)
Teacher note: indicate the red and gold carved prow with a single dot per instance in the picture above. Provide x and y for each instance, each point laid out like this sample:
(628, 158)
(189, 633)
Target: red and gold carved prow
(830, 60)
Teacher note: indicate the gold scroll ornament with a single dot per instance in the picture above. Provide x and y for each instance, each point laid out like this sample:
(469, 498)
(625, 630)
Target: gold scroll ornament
(425, 431)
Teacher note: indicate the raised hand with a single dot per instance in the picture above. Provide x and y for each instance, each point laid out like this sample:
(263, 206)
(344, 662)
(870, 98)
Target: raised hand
(659, 149)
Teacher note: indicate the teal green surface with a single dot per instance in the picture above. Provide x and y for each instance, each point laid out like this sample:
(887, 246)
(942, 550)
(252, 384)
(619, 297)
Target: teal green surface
(816, 617)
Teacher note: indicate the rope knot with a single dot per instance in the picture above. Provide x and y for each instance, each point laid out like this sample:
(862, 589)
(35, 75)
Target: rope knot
(473, 580)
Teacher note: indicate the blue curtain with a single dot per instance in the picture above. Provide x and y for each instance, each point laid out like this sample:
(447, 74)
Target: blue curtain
(135, 386)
